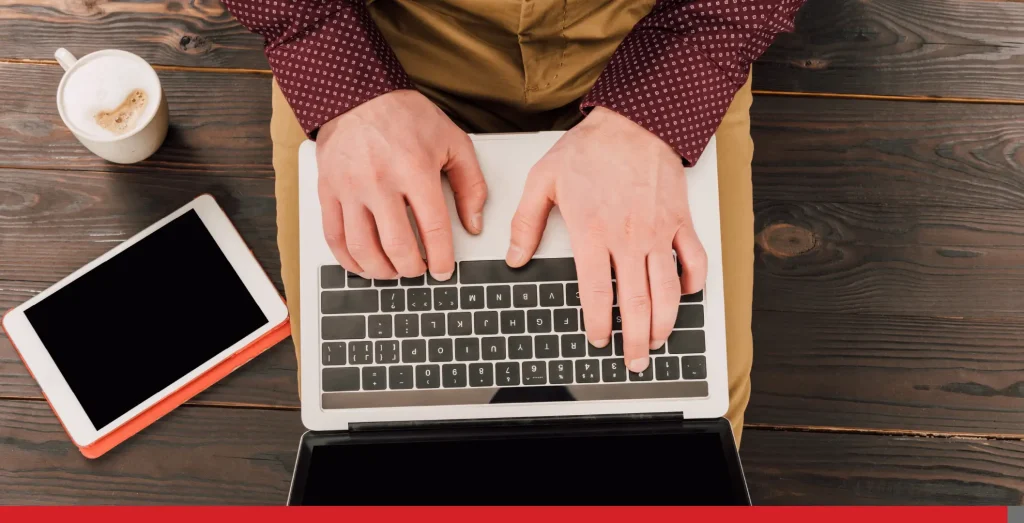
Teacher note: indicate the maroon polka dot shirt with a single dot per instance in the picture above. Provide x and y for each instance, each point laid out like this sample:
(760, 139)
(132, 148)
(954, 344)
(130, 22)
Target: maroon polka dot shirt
(675, 73)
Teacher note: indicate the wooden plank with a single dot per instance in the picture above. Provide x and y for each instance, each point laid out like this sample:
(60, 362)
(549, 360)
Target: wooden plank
(950, 48)
(799, 468)
(889, 153)
(920, 261)
(193, 33)
(194, 456)
(219, 124)
(888, 372)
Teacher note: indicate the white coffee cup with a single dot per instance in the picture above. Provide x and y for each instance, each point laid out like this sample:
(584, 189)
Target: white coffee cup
(92, 84)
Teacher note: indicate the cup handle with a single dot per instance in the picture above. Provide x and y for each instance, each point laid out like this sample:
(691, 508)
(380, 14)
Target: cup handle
(65, 58)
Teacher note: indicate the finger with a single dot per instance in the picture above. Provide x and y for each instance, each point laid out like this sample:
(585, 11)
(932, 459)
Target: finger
(364, 243)
(435, 229)
(530, 219)
(466, 181)
(397, 238)
(635, 307)
(692, 257)
(334, 233)
(661, 271)
(593, 269)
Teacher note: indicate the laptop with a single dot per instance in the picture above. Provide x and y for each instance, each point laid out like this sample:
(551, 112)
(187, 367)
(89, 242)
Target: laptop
(494, 363)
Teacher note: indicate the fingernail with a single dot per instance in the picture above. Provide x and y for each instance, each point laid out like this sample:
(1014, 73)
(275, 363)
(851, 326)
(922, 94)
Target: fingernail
(601, 343)
(638, 365)
(442, 277)
(477, 222)
(514, 253)
(657, 344)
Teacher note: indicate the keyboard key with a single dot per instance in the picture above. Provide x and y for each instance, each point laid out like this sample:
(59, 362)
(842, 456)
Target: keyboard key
(446, 299)
(340, 379)
(513, 322)
(551, 295)
(646, 375)
(494, 348)
(349, 302)
(432, 324)
(694, 368)
(332, 277)
(508, 373)
(596, 352)
(471, 297)
(460, 323)
(380, 326)
(385, 283)
(485, 322)
(400, 377)
(414, 351)
(574, 345)
(690, 317)
(411, 282)
(375, 378)
(538, 320)
(566, 320)
(692, 298)
(618, 343)
(354, 281)
(419, 299)
(666, 367)
(333, 353)
(450, 281)
(392, 300)
(481, 375)
(520, 347)
(453, 375)
(407, 326)
(467, 349)
(560, 372)
(440, 350)
(538, 269)
(428, 376)
(660, 350)
(686, 342)
(587, 371)
(546, 346)
(386, 352)
(499, 297)
(360, 352)
(616, 319)
(572, 294)
(613, 370)
(535, 373)
(524, 295)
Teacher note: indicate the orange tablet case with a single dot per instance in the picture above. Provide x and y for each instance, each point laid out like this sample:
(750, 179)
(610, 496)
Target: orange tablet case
(176, 398)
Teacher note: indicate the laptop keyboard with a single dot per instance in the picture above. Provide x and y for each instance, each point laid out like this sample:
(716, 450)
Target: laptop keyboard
(488, 326)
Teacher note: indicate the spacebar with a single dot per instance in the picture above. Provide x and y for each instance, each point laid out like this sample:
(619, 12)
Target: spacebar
(497, 271)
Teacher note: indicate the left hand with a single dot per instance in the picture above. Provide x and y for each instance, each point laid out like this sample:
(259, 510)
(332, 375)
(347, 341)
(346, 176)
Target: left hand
(622, 193)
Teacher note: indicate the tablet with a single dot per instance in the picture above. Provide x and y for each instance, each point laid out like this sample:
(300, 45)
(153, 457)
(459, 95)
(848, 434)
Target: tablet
(144, 320)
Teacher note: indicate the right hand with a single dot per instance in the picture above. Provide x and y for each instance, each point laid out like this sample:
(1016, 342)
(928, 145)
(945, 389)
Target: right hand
(380, 156)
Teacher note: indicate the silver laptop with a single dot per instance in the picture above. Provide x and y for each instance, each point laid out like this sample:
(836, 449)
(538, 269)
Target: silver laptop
(494, 342)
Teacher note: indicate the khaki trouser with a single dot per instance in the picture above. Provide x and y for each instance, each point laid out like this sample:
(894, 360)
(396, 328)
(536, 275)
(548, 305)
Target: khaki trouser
(523, 65)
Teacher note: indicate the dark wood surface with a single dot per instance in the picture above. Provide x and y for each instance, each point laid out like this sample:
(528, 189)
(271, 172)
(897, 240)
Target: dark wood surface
(889, 268)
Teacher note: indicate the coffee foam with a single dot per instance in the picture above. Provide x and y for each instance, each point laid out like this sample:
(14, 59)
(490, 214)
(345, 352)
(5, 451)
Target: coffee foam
(100, 90)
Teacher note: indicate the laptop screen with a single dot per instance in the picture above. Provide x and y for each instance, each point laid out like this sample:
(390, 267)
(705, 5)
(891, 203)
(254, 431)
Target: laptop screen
(568, 469)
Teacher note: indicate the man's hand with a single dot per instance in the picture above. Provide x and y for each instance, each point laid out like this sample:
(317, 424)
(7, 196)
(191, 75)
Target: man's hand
(622, 193)
(380, 156)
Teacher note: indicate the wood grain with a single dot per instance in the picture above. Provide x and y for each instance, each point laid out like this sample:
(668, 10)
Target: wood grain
(888, 153)
(888, 372)
(900, 47)
(219, 124)
(175, 32)
(799, 468)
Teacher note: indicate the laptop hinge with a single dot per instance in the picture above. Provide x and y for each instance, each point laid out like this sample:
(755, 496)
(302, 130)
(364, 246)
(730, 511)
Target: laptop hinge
(512, 422)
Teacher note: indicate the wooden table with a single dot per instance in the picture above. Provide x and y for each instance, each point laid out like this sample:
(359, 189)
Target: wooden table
(889, 312)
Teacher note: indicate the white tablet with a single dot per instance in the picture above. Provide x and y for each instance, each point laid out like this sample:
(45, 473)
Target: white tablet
(145, 319)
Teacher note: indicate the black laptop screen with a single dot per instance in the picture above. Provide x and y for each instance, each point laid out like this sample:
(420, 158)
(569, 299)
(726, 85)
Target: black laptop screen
(630, 469)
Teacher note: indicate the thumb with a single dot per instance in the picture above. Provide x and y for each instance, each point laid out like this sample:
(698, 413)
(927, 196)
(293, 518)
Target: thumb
(530, 219)
(466, 181)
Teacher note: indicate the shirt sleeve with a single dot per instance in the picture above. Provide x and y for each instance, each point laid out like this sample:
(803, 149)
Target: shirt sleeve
(327, 55)
(677, 71)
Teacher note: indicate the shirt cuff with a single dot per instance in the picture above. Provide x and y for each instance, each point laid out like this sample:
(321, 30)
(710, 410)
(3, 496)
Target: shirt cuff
(669, 88)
